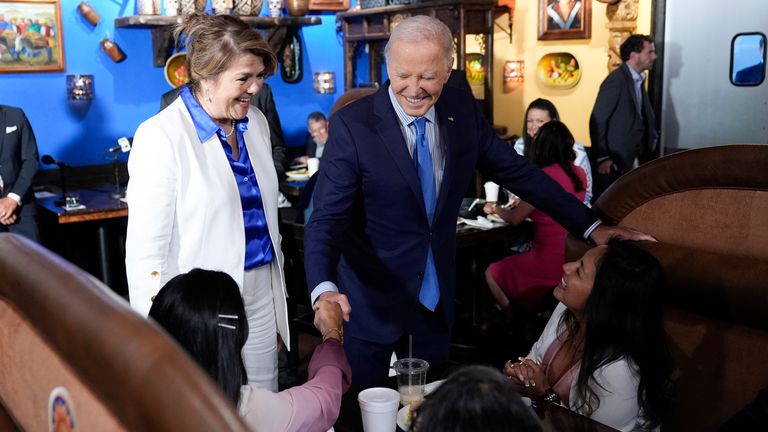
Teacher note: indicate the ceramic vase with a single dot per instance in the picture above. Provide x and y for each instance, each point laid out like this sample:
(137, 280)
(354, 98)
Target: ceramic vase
(146, 7)
(192, 6)
(248, 7)
(297, 8)
(275, 7)
(171, 7)
(221, 7)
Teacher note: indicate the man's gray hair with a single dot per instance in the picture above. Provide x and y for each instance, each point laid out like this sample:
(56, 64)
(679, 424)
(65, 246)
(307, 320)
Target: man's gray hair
(422, 28)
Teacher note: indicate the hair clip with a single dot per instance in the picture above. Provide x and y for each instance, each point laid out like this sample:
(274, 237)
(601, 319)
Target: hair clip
(231, 327)
(228, 316)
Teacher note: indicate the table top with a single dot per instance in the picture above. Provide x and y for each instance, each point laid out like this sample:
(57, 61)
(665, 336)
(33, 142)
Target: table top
(99, 204)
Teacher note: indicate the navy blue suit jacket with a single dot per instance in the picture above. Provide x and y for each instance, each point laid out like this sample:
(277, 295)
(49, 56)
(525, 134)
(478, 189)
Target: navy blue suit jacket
(369, 232)
(18, 165)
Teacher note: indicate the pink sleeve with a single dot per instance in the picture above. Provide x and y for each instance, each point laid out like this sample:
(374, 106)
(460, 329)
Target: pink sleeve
(316, 403)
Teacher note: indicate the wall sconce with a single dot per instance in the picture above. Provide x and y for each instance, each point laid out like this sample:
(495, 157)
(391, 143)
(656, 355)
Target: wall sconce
(79, 87)
(325, 82)
(514, 74)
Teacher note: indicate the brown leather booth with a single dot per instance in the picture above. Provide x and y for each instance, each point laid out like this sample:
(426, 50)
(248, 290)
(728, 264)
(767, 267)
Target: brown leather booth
(709, 210)
(60, 327)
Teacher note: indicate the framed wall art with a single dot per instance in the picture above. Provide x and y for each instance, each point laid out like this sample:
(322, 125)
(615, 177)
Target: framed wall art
(565, 19)
(31, 36)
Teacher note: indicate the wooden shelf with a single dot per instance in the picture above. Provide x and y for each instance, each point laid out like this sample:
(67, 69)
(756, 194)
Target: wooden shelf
(162, 26)
(254, 21)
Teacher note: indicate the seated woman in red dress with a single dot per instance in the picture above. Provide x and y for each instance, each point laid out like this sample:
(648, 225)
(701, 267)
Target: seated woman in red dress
(527, 278)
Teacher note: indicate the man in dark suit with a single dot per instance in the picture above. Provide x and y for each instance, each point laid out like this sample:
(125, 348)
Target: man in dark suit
(266, 104)
(753, 75)
(622, 127)
(382, 238)
(18, 165)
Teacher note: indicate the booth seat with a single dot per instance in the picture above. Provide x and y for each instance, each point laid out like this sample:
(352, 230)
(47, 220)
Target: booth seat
(709, 210)
(60, 327)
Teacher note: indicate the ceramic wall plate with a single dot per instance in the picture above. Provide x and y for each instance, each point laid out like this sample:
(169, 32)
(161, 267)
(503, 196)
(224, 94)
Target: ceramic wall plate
(558, 70)
(176, 72)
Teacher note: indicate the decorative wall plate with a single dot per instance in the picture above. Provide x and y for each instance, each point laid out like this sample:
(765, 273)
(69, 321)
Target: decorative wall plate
(558, 70)
(176, 72)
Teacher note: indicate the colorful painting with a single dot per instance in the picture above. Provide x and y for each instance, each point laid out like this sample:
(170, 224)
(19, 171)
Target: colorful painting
(558, 70)
(565, 19)
(30, 36)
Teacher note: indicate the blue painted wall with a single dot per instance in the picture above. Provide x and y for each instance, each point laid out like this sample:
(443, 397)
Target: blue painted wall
(129, 92)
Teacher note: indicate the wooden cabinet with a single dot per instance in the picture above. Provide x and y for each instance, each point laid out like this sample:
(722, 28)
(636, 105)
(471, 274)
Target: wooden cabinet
(371, 28)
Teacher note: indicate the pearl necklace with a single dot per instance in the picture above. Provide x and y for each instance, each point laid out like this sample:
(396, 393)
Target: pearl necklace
(231, 131)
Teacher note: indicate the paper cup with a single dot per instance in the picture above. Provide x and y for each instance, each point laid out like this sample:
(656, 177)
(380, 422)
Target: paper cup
(378, 407)
(313, 164)
(491, 192)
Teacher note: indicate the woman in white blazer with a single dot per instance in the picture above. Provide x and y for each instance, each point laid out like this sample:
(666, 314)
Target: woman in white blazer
(203, 189)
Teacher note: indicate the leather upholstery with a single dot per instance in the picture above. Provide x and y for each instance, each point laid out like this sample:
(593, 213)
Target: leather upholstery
(60, 326)
(709, 210)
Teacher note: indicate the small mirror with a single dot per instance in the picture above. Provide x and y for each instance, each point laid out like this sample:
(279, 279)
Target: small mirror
(290, 59)
(748, 59)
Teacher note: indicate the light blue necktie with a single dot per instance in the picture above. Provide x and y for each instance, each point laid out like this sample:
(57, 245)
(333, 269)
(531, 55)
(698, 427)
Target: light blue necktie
(422, 160)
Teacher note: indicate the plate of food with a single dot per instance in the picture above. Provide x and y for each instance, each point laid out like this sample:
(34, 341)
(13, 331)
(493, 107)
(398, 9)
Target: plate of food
(297, 175)
(559, 70)
(405, 415)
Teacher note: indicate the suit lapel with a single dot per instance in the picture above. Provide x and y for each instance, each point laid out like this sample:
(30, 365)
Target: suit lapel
(448, 129)
(390, 133)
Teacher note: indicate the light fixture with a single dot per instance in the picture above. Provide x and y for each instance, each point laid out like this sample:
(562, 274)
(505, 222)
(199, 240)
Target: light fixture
(325, 82)
(514, 74)
(79, 87)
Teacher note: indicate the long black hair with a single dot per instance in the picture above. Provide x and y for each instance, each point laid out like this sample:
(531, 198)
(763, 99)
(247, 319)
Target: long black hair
(623, 320)
(540, 104)
(554, 144)
(203, 310)
(475, 398)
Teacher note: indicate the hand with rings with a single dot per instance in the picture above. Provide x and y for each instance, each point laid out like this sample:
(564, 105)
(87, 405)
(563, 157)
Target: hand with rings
(527, 376)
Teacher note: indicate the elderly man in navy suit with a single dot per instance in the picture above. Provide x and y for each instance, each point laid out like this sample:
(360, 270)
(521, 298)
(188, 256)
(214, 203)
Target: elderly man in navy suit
(382, 238)
(18, 165)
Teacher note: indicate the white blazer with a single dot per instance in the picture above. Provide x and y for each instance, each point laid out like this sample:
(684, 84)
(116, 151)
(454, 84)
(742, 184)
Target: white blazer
(185, 210)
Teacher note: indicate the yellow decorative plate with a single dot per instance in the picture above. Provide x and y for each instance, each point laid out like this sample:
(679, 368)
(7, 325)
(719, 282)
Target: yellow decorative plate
(176, 70)
(558, 70)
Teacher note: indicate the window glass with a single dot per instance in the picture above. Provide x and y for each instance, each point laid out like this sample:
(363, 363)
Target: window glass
(748, 59)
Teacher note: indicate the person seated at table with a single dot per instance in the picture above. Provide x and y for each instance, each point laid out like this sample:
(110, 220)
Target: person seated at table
(203, 310)
(526, 278)
(475, 398)
(603, 352)
(538, 113)
(317, 136)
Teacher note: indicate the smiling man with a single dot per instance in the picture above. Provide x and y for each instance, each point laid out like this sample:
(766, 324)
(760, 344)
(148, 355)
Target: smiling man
(382, 238)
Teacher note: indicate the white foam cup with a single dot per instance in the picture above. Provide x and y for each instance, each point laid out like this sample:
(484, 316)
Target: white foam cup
(378, 406)
(491, 192)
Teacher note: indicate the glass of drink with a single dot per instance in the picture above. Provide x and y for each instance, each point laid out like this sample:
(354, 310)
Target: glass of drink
(411, 377)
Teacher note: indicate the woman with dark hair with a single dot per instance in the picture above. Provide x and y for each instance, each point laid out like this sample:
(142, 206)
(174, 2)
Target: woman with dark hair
(538, 113)
(475, 398)
(526, 278)
(603, 352)
(204, 312)
(203, 189)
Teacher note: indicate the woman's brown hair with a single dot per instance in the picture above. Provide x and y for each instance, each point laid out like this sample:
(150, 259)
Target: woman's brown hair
(214, 41)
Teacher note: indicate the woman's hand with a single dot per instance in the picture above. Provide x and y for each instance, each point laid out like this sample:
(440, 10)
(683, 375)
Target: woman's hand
(328, 319)
(490, 208)
(527, 376)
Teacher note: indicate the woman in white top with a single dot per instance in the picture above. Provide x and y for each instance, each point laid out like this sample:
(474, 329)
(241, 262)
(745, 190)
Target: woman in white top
(540, 112)
(603, 352)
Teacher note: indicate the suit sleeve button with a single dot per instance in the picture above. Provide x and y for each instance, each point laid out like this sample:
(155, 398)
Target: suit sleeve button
(420, 275)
